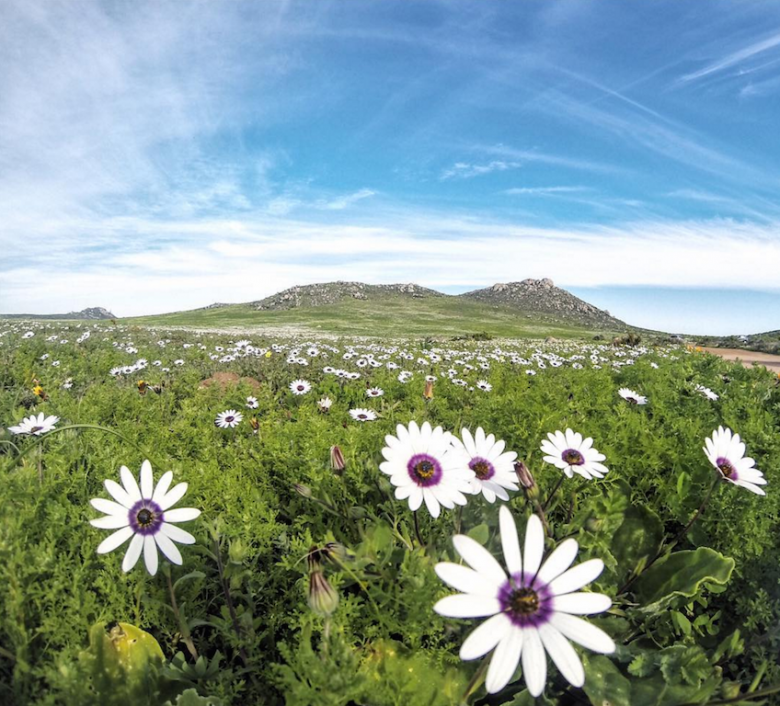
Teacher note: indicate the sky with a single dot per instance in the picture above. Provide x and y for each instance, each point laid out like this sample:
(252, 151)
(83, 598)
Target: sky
(163, 155)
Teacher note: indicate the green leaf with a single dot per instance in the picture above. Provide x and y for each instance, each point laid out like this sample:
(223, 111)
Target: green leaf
(637, 538)
(682, 574)
(480, 533)
(604, 683)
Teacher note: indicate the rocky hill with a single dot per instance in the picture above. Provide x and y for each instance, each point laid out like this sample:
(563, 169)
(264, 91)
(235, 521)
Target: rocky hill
(334, 292)
(542, 297)
(94, 313)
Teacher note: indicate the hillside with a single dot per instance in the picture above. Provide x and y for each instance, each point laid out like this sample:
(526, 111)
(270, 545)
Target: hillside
(94, 313)
(541, 296)
(353, 308)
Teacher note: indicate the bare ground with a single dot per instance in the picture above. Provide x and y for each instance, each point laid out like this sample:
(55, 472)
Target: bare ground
(748, 358)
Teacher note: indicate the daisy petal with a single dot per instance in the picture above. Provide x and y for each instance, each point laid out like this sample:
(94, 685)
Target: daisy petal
(561, 559)
(168, 548)
(119, 493)
(562, 654)
(114, 540)
(182, 514)
(504, 662)
(110, 522)
(465, 580)
(509, 541)
(576, 578)
(177, 534)
(467, 606)
(534, 662)
(162, 487)
(583, 633)
(534, 546)
(133, 553)
(130, 484)
(172, 496)
(582, 603)
(479, 558)
(150, 554)
(485, 637)
(147, 480)
(109, 507)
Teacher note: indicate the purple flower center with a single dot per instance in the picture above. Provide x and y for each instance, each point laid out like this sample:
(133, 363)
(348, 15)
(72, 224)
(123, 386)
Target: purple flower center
(146, 517)
(573, 457)
(482, 467)
(424, 470)
(727, 468)
(229, 418)
(35, 430)
(528, 603)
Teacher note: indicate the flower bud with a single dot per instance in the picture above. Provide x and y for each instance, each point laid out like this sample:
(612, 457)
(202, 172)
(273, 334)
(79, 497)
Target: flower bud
(323, 599)
(525, 479)
(428, 391)
(337, 462)
(303, 490)
(255, 424)
(356, 512)
(142, 385)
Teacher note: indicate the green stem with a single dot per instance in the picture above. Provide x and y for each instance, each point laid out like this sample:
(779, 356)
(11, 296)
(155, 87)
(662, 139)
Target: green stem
(553, 492)
(417, 529)
(739, 699)
(475, 681)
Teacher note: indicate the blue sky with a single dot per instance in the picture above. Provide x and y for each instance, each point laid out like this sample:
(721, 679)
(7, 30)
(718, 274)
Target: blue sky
(160, 155)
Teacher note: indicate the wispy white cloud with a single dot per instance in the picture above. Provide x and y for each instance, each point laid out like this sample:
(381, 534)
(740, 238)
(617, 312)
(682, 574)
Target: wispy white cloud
(342, 202)
(734, 58)
(466, 170)
(546, 190)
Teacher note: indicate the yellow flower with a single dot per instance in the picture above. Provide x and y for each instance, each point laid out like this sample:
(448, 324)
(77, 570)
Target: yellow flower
(268, 354)
(38, 391)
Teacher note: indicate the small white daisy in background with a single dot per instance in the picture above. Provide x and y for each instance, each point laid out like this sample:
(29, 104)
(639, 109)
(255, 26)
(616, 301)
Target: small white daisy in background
(709, 394)
(143, 513)
(228, 419)
(530, 372)
(726, 451)
(67, 384)
(631, 396)
(484, 385)
(252, 403)
(572, 454)
(362, 415)
(422, 469)
(493, 469)
(374, 392)
(300, 387)
(325, 404)
(430, 378)
(532, 612)
(178, 362)
(654, 366)
(29, 334)
(35, 426)
(404, 376)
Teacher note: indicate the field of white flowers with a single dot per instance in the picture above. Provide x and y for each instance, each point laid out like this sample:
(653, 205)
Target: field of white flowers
(190, 519)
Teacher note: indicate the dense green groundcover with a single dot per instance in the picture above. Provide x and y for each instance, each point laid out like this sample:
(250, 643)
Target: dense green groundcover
(698, 626)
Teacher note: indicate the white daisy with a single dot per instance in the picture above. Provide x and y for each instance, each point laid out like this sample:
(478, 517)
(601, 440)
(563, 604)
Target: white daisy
(709, 394)
(35, 426)
(726, 451)
(572, 454)
(532, 612)
(494, 470)
(362, 415)
(300, 387)
(374, 392)
(143, 513)
(325, 404)
(228, 419)
(252, 403)
(422, 469)
(631, 396)
(484, 385)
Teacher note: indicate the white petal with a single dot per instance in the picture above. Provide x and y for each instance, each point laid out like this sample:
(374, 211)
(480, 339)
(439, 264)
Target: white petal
(562, 654)
(509, 541)
(168, 548)
(479, 558)
(534, 546)
(431, 503)
(147, 480)
(114, 540)
(582, 603)
(173, 496)
(485, 637)
(110, 522)
(162, 487)
(133, 552)
(576, 578)
(181, 514)
(583, 633)
(467, 606)
(465, 580)
(534, 662)
(415, 499)
(109, 507)
(130, 484)
(562, 558)
(150, 554)
(119, 493)
(504, 661)
(177, 534)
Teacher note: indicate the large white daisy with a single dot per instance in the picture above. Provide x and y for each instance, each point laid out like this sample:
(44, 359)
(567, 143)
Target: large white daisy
(228, 419)
(494, 470)
(573, 454)
(531, 610)
(300, 387)
(726, 451)
(144, 513)
(422, 468)
(632, 397)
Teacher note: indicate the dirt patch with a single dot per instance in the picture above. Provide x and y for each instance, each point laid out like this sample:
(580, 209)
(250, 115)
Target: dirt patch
(748, 358)
(225, 380)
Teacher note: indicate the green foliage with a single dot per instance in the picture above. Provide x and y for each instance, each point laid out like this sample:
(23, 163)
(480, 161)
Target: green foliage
(233, 623)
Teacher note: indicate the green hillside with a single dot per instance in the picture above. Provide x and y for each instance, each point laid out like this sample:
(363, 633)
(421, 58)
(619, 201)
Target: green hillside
(392, 315)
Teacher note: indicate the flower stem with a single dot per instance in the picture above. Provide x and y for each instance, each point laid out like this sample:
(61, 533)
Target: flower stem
(417, 529)
(229, 601)
(475, 681)
(186, 637)
(742, 697)
(553, 492)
